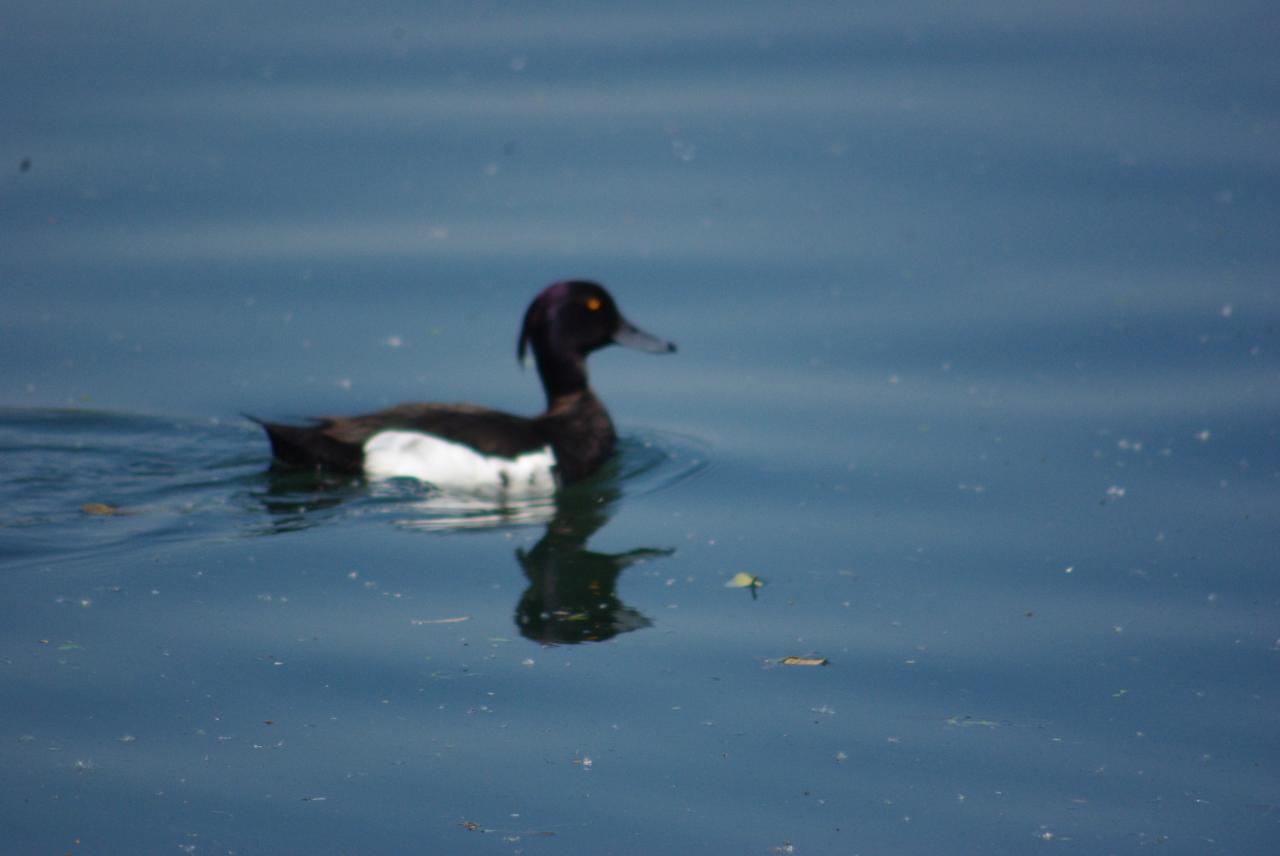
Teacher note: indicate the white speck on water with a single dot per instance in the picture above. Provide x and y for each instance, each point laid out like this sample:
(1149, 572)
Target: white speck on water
(1068, 569)
(841, 757)
(1203, 435)
(527, 662)
(393, 342)
(1115, 491)
(1227, 310)
(344, 383)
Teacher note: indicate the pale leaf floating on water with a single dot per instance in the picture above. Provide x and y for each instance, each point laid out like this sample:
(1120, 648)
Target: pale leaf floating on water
(744, 580)
(804, 661)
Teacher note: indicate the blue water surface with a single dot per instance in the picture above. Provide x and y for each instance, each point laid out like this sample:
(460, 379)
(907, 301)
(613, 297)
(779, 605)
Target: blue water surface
(978, 377)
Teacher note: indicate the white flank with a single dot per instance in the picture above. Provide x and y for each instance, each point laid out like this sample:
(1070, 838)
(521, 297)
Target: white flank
(454, 466)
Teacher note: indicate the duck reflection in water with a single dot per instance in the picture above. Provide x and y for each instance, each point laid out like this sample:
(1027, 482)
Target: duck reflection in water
(572, 595)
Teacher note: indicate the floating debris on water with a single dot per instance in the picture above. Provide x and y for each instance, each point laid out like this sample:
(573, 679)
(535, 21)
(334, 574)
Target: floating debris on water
(744, 580)
(472, 826)
(104, 509)
(804, 661)
(970, 722)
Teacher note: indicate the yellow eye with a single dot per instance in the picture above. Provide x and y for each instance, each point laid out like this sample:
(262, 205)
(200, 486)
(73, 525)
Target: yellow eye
(593, 303)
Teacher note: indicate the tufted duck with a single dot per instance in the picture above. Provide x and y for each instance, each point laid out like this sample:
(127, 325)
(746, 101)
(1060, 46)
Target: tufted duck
(464, 447)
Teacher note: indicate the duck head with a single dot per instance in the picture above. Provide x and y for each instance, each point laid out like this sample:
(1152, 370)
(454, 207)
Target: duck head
(566, 322)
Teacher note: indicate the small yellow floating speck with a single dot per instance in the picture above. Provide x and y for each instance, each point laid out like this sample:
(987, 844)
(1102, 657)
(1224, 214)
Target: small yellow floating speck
(803, 661)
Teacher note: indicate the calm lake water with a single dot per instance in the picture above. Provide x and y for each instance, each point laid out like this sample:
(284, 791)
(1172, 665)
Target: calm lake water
(978, 373)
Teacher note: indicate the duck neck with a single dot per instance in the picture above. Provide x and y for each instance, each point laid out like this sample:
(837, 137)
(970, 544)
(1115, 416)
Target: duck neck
(564, 377)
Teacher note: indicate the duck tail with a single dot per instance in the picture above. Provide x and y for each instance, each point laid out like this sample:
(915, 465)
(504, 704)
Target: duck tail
(309, 447)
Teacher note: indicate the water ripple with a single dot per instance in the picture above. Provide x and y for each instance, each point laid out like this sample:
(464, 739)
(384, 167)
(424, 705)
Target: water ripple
(81, 480)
